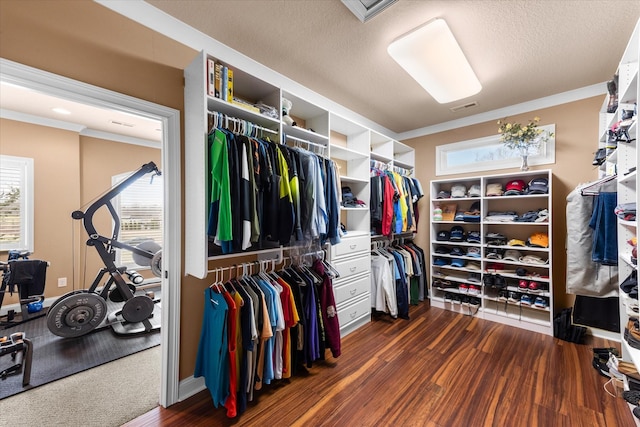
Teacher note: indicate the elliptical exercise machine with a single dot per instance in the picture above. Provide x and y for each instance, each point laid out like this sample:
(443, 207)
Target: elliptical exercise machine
(81, 311)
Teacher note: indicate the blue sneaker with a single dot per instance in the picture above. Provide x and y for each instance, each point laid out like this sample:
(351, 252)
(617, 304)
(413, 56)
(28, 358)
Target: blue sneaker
(525, 299)
(541, 303)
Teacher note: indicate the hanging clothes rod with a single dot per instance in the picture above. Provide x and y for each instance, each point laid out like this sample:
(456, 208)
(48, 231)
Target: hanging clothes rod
(304, 141)
(246, 126)
(593, 188)
(376, 164)
(275, 254)
(402, 171)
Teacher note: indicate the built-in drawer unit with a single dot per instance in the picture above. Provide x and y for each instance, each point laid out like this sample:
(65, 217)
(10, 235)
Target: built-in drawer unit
(351, 288)
(350, 313)
(352, 266)
(350, 246)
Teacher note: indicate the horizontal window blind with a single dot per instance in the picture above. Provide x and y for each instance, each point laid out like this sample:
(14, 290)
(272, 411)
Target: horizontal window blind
(16, 208)
(140, 208)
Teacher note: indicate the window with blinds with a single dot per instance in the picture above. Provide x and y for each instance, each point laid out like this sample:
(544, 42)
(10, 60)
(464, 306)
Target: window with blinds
(16, 203)
(139, 207)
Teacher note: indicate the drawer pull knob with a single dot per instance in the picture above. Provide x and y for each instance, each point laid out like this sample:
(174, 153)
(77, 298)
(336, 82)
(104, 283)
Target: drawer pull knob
(353, 314)
(352, 247)
(353, 291)
(352, 269)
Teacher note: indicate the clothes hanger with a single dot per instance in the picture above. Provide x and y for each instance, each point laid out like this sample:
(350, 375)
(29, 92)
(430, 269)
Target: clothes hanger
(594, 188)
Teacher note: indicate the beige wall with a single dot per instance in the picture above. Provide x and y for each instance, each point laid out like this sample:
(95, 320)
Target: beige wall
(576, 140)
(70, 171)
(56, 166)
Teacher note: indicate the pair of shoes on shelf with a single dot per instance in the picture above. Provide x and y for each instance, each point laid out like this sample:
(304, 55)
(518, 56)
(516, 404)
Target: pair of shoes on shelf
(494, 281)
(632, 333)
(541, 302)
(529, 285)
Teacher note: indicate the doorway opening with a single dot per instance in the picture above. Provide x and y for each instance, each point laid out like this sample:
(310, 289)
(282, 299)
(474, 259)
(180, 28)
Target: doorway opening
(20, 76)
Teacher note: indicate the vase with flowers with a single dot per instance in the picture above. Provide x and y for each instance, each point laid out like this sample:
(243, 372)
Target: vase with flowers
(523, 137)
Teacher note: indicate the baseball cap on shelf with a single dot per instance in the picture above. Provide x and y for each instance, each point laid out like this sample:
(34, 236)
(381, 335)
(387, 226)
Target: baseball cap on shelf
(515, 242)
(515, 187)
(538, 240)
(442, 250)
(443, 194)
(457, 251)
(457, 233)
(539, 186)
(533, 259)
(440, 261)
(474, 191)
(458, 190)
(512, 255)
(493, 253)
(494, 189)
(473, 237)
(472, 265)
(457, 262)
(473, 252)
(495, 239)
(442, 236)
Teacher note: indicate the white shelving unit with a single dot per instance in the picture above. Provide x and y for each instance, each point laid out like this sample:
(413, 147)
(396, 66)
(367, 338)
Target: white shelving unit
(492, 307)
(351, 145)
(628, 181)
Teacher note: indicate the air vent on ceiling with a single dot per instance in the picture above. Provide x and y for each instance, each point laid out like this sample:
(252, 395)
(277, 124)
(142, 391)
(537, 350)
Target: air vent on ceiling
(367, 9)
(463, 106)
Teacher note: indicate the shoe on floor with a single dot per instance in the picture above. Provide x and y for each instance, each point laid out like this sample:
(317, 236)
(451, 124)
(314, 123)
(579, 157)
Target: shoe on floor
(633, 397)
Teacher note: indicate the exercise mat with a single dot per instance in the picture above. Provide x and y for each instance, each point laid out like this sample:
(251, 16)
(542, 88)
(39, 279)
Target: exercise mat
(55, 357)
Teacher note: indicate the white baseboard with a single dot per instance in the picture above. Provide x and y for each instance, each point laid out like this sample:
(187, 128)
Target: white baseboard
(189, 387)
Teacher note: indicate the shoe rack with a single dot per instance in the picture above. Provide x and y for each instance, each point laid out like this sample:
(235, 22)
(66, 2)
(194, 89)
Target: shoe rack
(466, 275)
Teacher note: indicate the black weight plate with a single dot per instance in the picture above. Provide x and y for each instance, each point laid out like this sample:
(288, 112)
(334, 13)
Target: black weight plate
(76, 314)
(137, 309)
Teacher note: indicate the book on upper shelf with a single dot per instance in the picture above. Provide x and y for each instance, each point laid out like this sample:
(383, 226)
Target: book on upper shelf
(211, 77)
(224, 87)
(229, 85)
(217, 80)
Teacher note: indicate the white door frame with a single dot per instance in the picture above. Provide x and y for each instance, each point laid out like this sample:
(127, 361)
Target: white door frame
(55, 85)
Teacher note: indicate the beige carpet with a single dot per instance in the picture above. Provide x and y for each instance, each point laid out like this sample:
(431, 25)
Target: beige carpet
(106, 396)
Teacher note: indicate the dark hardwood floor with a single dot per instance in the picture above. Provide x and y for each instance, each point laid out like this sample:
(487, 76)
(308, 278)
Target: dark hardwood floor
(437, 369)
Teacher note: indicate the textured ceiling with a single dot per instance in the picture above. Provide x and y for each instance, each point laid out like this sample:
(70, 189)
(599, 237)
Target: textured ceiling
(520, 50)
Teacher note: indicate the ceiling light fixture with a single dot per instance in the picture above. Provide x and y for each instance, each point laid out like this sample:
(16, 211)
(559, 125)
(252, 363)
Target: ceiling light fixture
(431, 55)
(60, 110)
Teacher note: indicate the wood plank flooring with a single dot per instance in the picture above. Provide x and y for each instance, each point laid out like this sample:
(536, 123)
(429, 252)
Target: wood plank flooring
(437, 369)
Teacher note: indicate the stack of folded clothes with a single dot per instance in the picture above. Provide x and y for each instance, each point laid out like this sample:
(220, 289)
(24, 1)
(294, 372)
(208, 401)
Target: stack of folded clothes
(507, 216)
(626, 211)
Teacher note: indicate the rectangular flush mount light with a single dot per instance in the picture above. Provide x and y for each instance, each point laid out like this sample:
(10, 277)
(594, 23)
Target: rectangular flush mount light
(431, 55)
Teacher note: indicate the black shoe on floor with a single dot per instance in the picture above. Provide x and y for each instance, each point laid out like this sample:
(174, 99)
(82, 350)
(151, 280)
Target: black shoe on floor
(633, 397)
(601, 366)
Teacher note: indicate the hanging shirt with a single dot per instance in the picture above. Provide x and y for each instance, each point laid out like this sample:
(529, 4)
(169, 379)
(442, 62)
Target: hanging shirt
(329, 311)
(220, 211)
(212, 359)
